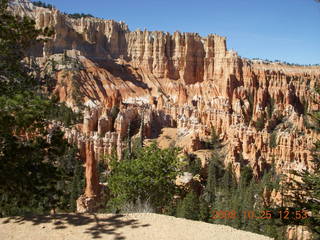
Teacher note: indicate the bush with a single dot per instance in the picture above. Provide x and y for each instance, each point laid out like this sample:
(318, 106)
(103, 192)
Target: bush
(149, 175)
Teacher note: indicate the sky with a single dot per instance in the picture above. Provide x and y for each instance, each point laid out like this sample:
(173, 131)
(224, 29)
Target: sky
(286, 30)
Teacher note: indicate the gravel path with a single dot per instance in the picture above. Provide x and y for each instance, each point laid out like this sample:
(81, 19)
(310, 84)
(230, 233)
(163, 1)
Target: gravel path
(137, 226)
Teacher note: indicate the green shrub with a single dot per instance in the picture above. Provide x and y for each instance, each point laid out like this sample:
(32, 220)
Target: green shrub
(149, 175)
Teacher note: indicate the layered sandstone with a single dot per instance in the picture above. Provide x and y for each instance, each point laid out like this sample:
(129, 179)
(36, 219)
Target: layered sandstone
(179, 80)
(89, 201)
(187, 81)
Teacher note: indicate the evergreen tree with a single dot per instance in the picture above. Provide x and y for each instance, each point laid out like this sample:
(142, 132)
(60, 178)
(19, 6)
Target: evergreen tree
(17, 34)
(142, 130)
(228, 180)
(305, 185)
(214, 142)
(246, 176)
(306, 192)
(243, 196)
(42, 4)
(33, 172)
(215, 171)
(129, 141)
(204, 210)
(77, 184)
(273, 140)
(193, 164)
(190, 207)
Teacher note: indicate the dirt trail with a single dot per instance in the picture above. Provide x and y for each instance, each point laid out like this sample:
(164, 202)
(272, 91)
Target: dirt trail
(137, 226)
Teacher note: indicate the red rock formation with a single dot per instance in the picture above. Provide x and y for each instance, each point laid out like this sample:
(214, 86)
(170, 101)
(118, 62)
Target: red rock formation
(92, 178)
(89, 202)
(187, 81)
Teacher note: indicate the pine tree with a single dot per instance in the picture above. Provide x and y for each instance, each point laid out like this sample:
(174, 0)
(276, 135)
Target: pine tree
(228, 180)
(194, 164)
(204, 210)
(305, 185)
(142, 130)
(34, 175)
(189, 208)
(214, 139)
(214, 173)
(77, 185)
(306, 192)
(246, 176)
(129, 141)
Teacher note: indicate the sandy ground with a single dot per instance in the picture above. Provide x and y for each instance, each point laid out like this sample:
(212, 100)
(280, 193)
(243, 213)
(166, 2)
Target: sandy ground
(137, 226)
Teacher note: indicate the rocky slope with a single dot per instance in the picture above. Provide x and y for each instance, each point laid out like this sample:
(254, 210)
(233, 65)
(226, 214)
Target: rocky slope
(184, 81)
(179, 80)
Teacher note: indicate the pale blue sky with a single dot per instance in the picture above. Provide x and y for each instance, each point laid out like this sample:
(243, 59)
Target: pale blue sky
(288, 30)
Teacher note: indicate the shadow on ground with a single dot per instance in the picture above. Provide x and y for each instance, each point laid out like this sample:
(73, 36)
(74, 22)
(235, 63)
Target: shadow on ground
(98, 224)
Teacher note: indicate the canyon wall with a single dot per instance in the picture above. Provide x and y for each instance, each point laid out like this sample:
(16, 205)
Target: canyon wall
(179, 80)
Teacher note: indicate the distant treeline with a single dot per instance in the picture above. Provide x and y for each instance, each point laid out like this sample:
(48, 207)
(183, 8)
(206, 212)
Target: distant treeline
(79, 15)
(42, 4)
(50, 6)
(282, 62)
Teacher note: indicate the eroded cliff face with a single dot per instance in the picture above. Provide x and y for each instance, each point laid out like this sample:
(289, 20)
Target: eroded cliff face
(179, 80)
